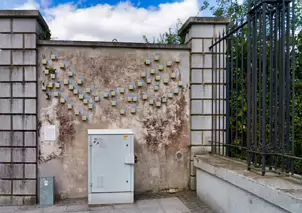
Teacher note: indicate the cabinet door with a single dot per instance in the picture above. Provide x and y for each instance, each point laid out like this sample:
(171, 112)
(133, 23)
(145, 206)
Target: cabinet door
(109, 160)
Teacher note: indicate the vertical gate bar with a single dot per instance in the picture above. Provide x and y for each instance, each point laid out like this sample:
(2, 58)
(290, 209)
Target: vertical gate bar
(249, 49)
(219, 98)
(223, 94)
(287, 85)
(260, 79)
(293, 86)
(264, 84)
(228, 100)
(276, 74)
(212, 142)
(282, 79)
(215, 86)
(271, 92)
(236, 86)
(231, 92)
(242, 89)
(254, 84)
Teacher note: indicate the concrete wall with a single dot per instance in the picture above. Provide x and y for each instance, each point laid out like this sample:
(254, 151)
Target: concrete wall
(18, 101)
(162, 135)
(228, 188)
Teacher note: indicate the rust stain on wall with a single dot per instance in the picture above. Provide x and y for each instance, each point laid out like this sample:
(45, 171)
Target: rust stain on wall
(66, 128)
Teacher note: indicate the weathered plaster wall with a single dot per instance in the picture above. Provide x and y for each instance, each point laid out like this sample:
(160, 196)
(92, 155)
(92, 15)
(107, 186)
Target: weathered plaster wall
(161, 134)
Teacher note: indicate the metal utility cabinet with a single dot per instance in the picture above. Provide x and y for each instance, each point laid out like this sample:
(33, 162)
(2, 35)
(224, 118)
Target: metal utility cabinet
(110, 166)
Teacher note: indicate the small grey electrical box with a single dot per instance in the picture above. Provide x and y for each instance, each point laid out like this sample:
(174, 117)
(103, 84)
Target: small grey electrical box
(46, 191)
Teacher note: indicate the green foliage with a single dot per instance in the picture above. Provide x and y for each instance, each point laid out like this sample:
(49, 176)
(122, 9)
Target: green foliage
(45, 35)
(169, 37)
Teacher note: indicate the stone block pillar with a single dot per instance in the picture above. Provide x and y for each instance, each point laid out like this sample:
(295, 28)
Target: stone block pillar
(19, 31)
(199, 33)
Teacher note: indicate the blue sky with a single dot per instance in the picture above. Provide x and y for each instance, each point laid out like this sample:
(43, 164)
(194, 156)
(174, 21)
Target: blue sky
(109, 19)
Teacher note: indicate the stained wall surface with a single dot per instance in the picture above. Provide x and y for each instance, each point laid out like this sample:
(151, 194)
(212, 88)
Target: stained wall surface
(162, 134)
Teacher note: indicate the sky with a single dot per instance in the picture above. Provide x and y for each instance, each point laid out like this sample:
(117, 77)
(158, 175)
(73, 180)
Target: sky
(105, 20)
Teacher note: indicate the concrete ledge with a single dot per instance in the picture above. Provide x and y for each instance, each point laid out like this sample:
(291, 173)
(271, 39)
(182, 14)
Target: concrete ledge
(25, 14)
(112, 44)
(229, 187)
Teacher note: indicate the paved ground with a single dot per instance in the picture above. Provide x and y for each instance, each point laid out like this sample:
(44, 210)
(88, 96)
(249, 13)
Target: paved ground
(182, 202)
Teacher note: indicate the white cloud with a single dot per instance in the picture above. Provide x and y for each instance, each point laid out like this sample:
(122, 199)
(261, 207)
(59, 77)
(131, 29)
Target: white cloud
(123, 21)
(103, 22)
(28, 5)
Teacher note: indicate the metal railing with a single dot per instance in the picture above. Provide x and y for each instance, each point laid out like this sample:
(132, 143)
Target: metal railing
(253, 93)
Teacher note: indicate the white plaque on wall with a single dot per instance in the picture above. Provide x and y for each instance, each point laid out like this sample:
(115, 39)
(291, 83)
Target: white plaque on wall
(50, 133)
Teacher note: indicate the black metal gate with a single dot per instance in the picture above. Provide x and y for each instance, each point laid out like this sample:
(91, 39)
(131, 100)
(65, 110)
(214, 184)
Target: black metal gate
(260, 88)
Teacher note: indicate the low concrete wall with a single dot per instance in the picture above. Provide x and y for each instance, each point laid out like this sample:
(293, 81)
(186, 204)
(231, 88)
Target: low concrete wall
(162, 134)
(228, 188)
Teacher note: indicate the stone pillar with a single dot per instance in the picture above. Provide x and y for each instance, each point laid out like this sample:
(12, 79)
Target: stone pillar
(198, 33)
(19, 31)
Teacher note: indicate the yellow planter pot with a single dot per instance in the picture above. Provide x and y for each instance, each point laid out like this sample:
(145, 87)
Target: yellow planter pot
(122, 90)
(147, 61)
(160, 67)
(79, 82)
(105, 95)
(152, 71)
(143, 75)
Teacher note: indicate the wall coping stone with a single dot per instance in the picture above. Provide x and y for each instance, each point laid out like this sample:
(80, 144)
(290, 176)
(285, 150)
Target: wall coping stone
(284, 192)
(25, 14)
(202, 21)
(111, 44)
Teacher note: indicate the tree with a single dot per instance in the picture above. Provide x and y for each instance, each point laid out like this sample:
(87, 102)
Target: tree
(169, 37)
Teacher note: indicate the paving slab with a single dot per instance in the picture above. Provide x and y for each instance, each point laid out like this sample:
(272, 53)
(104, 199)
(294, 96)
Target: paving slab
(180, 202)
